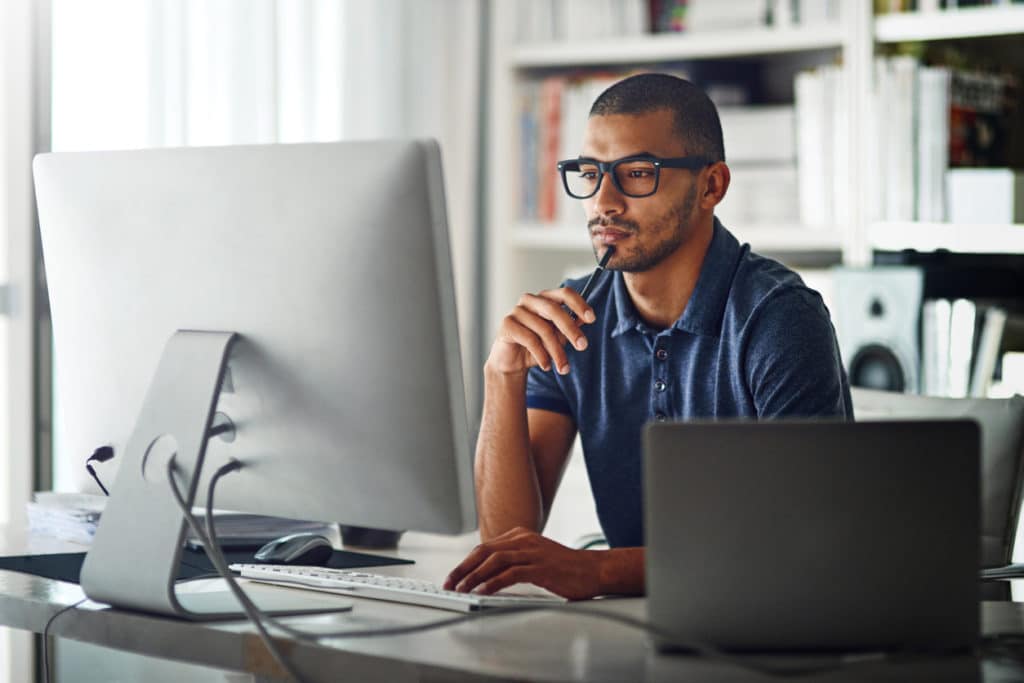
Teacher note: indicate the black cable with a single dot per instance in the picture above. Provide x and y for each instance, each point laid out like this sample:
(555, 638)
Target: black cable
(46, 637)
(101, 454)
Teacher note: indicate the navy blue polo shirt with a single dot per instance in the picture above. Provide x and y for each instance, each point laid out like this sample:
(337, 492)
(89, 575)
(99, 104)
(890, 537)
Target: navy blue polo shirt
(753, 342)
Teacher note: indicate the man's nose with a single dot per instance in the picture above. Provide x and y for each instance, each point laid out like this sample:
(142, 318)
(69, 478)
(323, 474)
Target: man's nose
(608, 199)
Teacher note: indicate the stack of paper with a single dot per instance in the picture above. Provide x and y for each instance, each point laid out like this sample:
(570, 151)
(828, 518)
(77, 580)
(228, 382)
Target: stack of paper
(68, 516)
(75, 517)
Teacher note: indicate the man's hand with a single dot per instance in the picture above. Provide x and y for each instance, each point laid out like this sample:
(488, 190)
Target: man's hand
(537, 330)
(524, 556)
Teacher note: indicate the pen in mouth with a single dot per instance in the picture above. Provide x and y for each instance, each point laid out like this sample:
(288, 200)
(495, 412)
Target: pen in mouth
(592, 280)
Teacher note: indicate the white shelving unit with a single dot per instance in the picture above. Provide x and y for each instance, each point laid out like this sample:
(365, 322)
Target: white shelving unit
(529, 256)
(971, 22)
(958, 24)
(671, 47)
(963, 237)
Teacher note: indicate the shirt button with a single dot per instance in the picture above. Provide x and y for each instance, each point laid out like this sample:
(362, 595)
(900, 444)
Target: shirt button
(660, 385)
(661, 354)
(660, 417)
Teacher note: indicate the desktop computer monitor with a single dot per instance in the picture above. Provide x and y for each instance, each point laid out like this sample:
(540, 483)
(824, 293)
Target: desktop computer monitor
(302, 294)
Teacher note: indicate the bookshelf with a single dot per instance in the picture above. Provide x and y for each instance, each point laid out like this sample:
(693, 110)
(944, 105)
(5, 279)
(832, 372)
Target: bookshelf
(958, 24)
(668, 47)
(526, 255)
(523, 254)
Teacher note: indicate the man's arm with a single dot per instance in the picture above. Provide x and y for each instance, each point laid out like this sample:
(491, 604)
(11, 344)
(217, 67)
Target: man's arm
(793, 364)
(520, 457)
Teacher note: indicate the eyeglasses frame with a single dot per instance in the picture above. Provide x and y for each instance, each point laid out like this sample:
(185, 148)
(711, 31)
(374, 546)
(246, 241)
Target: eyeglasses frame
(690, 163)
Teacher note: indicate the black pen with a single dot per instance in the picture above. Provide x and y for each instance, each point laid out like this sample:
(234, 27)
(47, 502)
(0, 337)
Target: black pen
(592, 280)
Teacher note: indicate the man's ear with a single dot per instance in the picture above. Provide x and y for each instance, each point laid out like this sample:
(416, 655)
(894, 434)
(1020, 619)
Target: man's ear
(716, 184)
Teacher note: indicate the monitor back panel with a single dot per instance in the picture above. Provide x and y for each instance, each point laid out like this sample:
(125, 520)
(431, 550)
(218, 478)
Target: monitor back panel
(330, 260)
(813, 535)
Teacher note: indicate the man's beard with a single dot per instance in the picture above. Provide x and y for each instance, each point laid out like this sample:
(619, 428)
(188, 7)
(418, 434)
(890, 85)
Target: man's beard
(639, 258)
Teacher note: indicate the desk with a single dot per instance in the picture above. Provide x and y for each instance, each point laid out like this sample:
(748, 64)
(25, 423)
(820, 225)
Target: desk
(534, 646)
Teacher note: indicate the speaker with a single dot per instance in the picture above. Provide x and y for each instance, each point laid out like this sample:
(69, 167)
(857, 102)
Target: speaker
(877, 319)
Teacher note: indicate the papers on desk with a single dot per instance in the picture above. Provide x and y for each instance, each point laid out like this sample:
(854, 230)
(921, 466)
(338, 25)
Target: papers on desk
(75, 516)
(67, 516)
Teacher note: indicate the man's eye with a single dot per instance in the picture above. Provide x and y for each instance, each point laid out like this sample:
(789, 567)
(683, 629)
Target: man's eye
(640, 173)
(588, 175)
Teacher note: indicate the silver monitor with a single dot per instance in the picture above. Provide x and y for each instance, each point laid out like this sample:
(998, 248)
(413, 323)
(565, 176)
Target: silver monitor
(302, 294)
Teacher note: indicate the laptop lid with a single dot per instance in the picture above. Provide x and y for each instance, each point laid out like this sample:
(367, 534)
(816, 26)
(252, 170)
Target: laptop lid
(812, 535)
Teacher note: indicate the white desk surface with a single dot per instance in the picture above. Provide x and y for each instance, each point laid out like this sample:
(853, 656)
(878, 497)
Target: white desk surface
(541, 646)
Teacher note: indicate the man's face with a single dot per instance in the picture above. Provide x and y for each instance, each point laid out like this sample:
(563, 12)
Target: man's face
(644, 230)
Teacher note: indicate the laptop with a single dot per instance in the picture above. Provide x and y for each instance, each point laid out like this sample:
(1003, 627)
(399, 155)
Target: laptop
(801, 536)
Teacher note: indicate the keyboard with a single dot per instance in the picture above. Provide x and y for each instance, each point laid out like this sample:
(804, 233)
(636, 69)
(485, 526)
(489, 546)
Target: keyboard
(393, 588)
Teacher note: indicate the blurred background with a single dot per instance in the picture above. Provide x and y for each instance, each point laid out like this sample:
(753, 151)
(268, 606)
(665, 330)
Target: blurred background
(877, 147)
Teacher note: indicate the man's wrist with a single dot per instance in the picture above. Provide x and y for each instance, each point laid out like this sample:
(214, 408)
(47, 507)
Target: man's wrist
(492, 375)
(620, 571)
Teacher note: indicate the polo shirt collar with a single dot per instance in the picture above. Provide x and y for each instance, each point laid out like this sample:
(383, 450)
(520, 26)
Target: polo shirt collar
(703, 314)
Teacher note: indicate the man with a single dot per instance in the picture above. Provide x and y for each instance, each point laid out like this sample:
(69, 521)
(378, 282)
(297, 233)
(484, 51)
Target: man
(689, 324)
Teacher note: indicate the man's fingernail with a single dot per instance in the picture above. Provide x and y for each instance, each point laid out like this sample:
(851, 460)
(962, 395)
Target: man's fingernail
(589, 316)
(563, 369)
(581, 343)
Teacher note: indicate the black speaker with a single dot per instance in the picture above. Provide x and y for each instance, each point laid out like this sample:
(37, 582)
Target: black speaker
(878, 314)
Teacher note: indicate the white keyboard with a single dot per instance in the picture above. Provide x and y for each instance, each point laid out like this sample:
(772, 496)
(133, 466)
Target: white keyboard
(381, 587)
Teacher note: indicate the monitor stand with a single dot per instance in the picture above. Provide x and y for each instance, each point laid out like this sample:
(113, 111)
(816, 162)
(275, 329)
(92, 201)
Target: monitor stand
(134, 556)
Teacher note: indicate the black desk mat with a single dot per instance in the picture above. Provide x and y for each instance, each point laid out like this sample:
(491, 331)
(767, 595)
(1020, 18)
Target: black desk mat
(68, 566)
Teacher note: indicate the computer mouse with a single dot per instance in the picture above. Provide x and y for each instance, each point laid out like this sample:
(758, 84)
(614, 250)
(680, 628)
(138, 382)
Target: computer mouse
(298, 549)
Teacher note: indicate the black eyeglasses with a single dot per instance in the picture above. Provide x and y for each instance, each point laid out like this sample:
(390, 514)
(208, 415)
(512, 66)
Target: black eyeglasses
(635, 176)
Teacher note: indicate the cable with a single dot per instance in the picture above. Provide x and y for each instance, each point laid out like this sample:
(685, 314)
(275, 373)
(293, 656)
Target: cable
(251, 611)
(53, 619)
(259, 618)
(46, 637)
(101, 454)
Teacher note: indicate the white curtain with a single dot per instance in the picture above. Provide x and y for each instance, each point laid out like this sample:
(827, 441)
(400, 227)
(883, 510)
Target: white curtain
(150, 73)
(23, 79)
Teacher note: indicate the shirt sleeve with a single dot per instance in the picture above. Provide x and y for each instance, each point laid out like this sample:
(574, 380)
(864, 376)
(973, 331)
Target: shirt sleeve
(543, 391)
(793, 364)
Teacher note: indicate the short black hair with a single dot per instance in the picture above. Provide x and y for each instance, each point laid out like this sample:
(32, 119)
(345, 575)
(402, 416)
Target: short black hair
(696, 118)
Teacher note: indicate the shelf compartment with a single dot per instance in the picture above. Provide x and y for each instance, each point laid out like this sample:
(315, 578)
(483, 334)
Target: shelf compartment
(664, 47)
(972, 22)
(957, 237)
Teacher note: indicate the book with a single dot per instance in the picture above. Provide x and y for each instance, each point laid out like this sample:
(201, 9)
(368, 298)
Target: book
(987, 353)
(932, 142)
(811, 143)
(961, 347)
(935, 325)
(899, 108)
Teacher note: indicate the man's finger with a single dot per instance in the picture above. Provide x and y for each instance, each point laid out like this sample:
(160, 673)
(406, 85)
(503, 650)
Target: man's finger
(548, 334)
(475, 557)
(572, 300)
(495, 564)
(521, 573)
(510, 540)
(551, 309)
(515, 332)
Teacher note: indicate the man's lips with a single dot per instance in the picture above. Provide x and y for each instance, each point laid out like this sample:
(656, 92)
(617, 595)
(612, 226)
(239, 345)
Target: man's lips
(610, 235)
